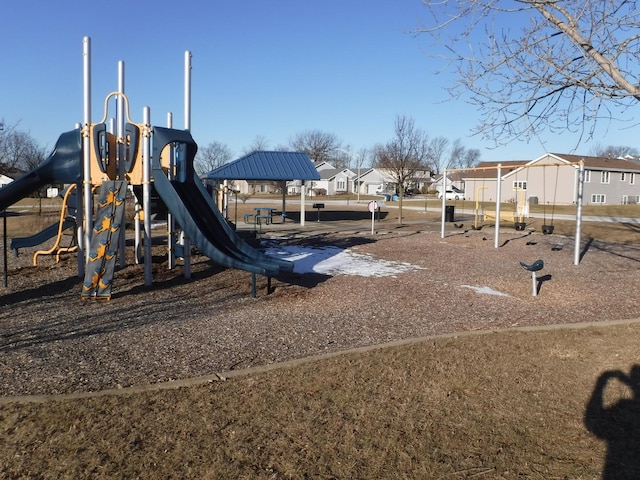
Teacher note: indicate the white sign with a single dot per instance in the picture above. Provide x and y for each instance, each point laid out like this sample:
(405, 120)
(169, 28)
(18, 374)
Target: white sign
(373, 206)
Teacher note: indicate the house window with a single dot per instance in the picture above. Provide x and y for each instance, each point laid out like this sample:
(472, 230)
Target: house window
(598, 198)
(340, 185)
(587, 176)
(623, 176)
(632, 178)
(604, 176)
(520, 185)
(630, 199)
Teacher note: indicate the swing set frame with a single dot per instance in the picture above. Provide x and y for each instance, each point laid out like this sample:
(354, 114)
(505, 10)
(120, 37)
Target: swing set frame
(579, 167)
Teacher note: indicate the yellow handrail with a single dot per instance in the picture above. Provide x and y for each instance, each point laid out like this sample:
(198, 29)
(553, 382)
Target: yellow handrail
(59, 236)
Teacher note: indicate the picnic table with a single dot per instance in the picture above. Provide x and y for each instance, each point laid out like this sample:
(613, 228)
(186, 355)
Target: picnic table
(264, 214)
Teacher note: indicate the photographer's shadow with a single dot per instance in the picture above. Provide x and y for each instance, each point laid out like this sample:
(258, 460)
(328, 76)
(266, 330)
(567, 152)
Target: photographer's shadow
(618, 424)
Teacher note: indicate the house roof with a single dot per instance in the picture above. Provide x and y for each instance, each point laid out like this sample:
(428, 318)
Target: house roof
(267, 166)
(600, 163)
(367, 171)
(594, 163)
(488, 169)
(5, 179)
(329, 173)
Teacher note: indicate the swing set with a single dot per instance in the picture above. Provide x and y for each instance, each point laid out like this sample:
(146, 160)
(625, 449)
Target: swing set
(519, 214)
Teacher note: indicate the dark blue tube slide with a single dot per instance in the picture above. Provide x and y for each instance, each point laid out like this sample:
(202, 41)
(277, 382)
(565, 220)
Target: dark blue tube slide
(190, 204)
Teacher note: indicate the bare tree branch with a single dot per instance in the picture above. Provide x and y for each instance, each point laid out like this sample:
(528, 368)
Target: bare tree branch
(211, 157)
(316, 144)
(540, 64)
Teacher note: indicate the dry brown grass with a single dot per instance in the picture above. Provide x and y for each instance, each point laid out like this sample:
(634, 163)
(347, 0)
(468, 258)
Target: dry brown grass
(495, 405)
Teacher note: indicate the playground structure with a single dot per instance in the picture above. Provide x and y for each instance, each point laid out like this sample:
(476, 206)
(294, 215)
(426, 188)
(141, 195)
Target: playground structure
(110, 157)
(521, 211)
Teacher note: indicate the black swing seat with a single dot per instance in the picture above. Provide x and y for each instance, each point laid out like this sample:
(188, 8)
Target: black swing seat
(534, 267)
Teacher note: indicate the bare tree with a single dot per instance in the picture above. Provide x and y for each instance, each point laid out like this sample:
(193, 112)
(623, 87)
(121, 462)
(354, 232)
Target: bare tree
(32, 155)
(360, 159)
(461, 156)
(342, 157)
(613, 151)
(404, 155)
(532, 65)
(470, 158)
(211, 157)
(437, 153)
(18, 150)
(259, 143)
(318, 145)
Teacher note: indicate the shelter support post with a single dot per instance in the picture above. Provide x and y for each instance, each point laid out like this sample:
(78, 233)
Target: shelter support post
(303, 193)
(284, 200)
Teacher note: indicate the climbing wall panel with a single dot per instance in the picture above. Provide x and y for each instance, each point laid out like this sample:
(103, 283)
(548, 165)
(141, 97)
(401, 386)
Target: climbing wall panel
(108, 226)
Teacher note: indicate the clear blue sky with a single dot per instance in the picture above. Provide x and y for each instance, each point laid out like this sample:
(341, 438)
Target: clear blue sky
(269, 68)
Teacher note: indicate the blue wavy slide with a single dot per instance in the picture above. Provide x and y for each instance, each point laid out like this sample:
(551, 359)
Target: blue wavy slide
(62, 166)
(196, 213)
(42, 236)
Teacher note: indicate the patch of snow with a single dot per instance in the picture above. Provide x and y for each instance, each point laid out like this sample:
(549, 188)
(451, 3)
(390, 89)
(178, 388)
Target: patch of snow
(337, 261)
(485, 290)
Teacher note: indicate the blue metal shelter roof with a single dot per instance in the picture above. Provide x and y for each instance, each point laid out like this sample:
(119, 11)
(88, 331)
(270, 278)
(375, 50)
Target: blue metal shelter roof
(267, 166)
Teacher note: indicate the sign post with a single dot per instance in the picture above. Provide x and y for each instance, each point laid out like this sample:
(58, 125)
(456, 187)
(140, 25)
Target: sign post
(373, 206)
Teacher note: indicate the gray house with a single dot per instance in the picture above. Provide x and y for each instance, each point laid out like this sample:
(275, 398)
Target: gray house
(334, 181)
(553, 179)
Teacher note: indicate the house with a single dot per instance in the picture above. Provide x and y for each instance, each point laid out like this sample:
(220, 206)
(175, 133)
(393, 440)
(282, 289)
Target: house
(419, 181)
(371, 181)
(480, 182)
(4, 180)
(553, 179)
(609, 181)
(333, 181)
(453, 179)
(9, 174)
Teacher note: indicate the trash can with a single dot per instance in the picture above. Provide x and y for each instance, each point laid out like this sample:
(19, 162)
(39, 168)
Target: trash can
(387, 197)
(449, 211)
(394, 198)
